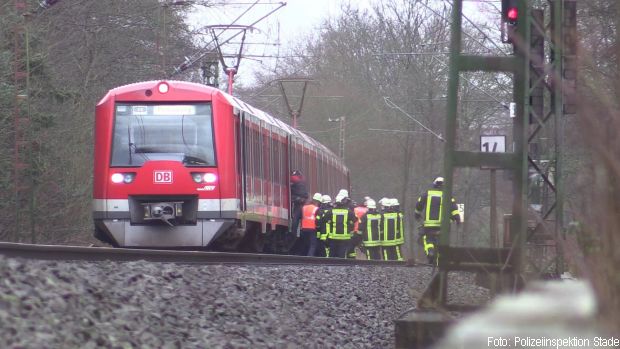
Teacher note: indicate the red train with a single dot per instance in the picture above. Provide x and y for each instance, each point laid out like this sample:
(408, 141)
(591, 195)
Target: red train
(183, 165)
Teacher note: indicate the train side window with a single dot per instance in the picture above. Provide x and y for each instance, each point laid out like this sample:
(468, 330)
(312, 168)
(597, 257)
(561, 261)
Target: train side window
(315, 170)
(300, 157)
(323, 174)
(310, 170)
(266, 146)
(284, 162)
(292, 154)
(257, 155)
(276, 159)
(249, 159)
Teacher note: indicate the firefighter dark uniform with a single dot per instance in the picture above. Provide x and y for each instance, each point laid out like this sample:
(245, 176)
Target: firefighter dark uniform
(340, 221)
(431, 203)
(308, 226)
(356, 237)
(392, 232)
(299, 195)
(322, 228)
(370, 229)
(400, 230)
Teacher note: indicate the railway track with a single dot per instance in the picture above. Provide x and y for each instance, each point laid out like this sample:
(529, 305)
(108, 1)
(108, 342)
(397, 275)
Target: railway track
(57, 252)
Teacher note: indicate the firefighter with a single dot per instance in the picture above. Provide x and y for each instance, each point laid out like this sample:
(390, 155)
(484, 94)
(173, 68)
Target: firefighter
(390, 238)
(382, 202)
(431, 203)
(322, 228)
(400, 230)
(308, 225)
(356, 238)
(299, 195)
(340, 220)
(370, 228)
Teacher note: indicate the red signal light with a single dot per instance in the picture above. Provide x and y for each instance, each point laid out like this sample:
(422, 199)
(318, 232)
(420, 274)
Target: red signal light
(512, 14)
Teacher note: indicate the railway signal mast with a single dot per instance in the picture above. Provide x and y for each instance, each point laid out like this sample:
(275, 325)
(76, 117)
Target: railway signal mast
(543, 70)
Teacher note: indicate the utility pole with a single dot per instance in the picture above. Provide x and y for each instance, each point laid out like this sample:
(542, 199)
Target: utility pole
(341, 139)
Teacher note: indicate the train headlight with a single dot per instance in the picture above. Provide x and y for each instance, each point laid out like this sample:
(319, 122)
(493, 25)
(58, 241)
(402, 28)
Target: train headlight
(210, 178)
(123, 177)
(117, 178)
(129, 177)
(197, 177)
(163, 87)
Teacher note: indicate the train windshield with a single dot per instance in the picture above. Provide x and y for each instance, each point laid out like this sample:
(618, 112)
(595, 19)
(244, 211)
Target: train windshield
(180, 132)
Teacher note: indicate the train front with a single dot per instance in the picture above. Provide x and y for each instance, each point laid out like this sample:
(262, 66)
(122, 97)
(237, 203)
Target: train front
(156, 179)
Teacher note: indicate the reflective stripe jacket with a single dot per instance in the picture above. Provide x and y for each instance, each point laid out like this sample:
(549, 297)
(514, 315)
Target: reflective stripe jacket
(400, 229)
(370, 228)
(341, 221)
(431, 203)
(322, 228)
(308, 217)
(390, 229)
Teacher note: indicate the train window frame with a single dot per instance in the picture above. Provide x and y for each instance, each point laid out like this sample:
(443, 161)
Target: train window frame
(249, 158)
(210, 115)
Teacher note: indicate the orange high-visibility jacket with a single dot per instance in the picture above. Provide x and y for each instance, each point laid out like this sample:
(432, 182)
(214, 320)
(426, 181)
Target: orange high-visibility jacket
(359, 211)
(308, 216)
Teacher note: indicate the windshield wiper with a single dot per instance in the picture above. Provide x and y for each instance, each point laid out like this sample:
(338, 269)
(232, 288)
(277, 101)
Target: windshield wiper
(193, 160)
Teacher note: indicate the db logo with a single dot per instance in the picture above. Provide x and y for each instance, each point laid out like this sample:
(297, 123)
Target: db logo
(162, 177)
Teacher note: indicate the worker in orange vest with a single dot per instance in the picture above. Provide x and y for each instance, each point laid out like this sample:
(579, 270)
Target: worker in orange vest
(308, 226)
(356, 238)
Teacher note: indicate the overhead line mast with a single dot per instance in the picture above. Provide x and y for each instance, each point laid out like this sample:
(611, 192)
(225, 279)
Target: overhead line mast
(543, 70)
(189, 62)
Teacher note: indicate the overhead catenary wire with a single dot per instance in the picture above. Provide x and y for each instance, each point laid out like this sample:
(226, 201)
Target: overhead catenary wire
(190, 62)
(393, 105)
(503, 104)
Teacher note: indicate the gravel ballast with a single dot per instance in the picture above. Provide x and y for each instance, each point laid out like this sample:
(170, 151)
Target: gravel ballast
(46, 304)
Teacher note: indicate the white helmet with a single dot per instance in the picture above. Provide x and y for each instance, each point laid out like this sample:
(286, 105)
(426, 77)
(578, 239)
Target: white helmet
(370, 203)
(340, 197)
(383, 202)
(395, 202)
(317, 197)
(438, 180)
(343, 192)
(326, 199)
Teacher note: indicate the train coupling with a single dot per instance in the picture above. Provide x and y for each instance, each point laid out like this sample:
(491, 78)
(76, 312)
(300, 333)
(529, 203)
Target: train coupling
(164, 211)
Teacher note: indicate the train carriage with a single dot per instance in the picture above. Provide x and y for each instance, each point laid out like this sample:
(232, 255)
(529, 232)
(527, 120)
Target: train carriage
(183, 165)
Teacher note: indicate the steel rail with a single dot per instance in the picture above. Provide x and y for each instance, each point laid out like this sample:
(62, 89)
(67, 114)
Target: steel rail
(81, 253)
